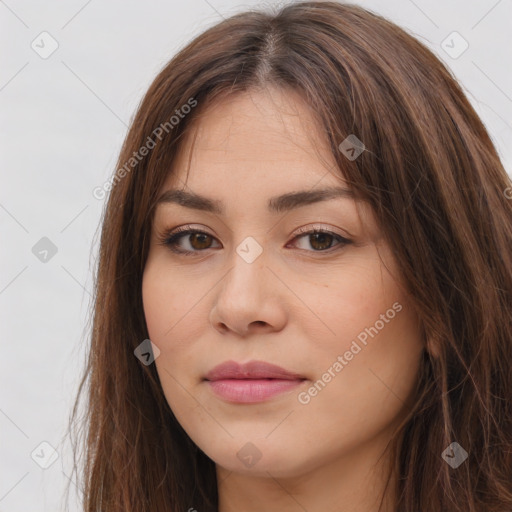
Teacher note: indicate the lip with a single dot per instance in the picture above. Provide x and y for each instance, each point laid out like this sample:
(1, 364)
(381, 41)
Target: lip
(255, 381)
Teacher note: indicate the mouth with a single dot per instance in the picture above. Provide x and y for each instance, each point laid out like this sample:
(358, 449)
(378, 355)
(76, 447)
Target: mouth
(251, 382)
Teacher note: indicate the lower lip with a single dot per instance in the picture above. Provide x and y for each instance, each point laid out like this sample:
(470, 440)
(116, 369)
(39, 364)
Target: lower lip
(251, 390)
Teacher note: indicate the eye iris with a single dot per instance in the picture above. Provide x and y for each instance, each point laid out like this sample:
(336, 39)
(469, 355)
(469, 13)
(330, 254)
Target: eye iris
(320, 237)
(200, 238)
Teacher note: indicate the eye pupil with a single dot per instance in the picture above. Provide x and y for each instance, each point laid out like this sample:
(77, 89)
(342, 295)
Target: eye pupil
(320, 237)
(200, 238)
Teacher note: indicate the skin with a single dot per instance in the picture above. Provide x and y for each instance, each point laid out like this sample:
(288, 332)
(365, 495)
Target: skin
(295, 306)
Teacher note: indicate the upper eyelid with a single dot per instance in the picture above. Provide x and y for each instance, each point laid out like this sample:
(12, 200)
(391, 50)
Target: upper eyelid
(303, 230)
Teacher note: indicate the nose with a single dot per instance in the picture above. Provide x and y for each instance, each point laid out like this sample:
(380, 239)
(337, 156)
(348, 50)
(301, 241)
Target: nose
(249, 299)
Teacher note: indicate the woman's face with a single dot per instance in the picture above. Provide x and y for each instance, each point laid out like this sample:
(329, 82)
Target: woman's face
(258, 286)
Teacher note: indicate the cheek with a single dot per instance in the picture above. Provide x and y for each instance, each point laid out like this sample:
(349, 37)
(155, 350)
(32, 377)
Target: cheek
(167, 302)
(373, 327)
(167, 312)
(175, 318)
(342, 303)
(370, 390)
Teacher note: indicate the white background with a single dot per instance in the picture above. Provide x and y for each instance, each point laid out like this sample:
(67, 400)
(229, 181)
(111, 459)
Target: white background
(63, 121)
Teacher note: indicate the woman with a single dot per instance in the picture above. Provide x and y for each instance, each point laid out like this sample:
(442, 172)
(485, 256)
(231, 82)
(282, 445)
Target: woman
(305, 281)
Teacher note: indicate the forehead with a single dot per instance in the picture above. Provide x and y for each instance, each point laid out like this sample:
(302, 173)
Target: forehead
(264, 139)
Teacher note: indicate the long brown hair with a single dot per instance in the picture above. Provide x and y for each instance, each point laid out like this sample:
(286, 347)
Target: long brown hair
(436, 184)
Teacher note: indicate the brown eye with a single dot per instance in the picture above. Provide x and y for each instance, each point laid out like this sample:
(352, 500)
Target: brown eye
(320, 240)
(187, 241)
(200, 240)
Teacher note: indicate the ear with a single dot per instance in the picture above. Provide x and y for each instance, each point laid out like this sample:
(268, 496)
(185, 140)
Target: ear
(431, 342)
(433, 347)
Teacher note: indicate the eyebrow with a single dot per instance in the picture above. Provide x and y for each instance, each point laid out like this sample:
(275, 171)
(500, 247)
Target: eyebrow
(276, 204)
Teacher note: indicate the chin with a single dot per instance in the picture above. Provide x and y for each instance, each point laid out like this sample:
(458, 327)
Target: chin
(261, 458)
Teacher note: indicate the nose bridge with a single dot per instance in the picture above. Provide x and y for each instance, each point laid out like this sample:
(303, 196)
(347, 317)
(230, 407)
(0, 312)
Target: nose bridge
(247, 266)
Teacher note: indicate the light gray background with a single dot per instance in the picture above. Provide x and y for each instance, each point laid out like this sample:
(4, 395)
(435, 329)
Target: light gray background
(63, 121)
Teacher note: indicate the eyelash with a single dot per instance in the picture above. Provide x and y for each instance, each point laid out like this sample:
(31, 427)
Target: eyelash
(171, 238)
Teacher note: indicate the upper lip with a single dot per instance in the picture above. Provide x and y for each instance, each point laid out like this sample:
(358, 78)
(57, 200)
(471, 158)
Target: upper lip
(250, 370)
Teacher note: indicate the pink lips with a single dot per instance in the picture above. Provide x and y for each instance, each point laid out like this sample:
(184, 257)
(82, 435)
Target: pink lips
(251, 382)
